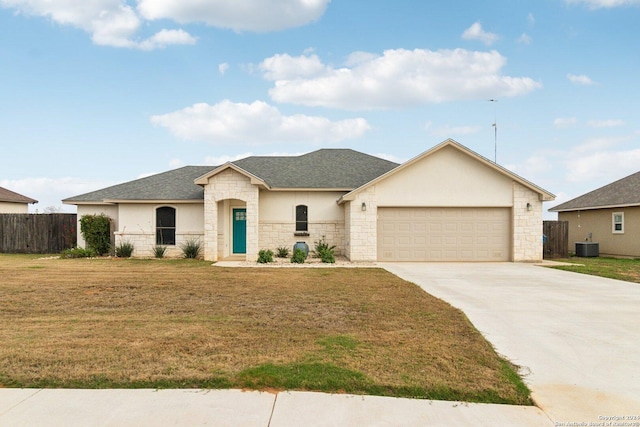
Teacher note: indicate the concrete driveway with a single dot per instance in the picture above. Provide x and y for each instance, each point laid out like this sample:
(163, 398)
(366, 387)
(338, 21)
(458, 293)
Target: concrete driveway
(576, 337)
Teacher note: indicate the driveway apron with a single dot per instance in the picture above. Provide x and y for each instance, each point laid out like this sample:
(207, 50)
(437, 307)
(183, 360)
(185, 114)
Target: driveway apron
(576, 337)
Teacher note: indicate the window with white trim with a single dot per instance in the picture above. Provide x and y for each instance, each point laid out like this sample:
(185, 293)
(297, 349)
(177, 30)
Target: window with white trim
(617, 223)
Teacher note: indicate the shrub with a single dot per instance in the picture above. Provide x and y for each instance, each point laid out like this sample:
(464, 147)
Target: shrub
(282, 252)
(124, 250)
(324, 251)
(191, 248)
(77, 253)
(159, 251)
(96, 231)
(298, 256)
(265, 256)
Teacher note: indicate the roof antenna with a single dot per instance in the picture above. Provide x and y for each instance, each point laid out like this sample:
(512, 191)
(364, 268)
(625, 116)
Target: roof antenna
(495, 132)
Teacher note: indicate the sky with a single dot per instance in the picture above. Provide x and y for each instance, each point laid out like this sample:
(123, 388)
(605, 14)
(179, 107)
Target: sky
(99, 92)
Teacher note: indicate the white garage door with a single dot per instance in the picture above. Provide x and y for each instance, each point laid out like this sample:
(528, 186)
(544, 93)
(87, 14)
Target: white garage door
(444, 234)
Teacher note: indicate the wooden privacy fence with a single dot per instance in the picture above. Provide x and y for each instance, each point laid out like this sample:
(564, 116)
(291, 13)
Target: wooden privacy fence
(37, 233)
(556, 239)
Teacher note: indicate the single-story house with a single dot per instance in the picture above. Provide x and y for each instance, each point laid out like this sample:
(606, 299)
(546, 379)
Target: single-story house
(447, 204)
(11, 202)
(609, 216)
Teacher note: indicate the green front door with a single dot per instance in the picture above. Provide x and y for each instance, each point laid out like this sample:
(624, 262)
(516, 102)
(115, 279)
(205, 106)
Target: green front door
(239, 231)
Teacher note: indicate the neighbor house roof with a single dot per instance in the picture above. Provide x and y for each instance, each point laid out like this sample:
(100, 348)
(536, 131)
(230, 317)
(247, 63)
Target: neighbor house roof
(342, 169)
(543, 194)
(322, 169)
(623, 192)
(13, 197)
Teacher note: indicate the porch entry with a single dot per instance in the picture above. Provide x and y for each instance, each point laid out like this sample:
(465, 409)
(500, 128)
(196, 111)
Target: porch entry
(239, 231)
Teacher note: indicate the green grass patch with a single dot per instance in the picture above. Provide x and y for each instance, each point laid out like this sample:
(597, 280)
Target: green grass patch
(626, 269)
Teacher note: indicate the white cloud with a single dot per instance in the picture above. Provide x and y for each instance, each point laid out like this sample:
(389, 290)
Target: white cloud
(475, 32)
(398, 78)
(167, 37)
(605, 123)
(524, 39)
(565, 122)
(580, 79)
(531, 20)
(110, 22)
(600, 159)
(49, 192)
(604, 166)
(285, 67)
(222, 68)
(256, 123)
(599, 4)
(245, 15)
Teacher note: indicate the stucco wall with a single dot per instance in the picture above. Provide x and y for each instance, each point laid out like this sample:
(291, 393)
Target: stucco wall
(139, 226)
(14, 208)
(598, 223)
(278, 219)
(109, 210)
(447, 177)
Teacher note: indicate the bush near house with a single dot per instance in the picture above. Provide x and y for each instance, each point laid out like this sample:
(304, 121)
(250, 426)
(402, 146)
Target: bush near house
(298, 256)
(191, 248)
(265, 256)
(324, 251)
(96, 231)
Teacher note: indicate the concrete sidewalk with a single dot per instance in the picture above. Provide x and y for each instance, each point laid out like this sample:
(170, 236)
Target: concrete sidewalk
(112, 407)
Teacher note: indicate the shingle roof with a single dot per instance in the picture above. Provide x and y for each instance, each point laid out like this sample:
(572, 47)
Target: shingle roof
(176, 184)
(322, 169)
(13, 197)
(624, 192)
(325, 168)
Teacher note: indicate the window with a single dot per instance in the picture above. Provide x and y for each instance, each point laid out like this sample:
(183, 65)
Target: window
(617, 223)
(165, 226)
(302, 224)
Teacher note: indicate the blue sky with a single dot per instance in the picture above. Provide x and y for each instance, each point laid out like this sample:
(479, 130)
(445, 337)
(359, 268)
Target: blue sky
(95, 93)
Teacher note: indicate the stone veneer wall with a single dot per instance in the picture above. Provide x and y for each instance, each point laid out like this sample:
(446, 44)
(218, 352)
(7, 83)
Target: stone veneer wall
(276, 234)
(361, 243)
(143, 243)
(229, 184)
(527, 225)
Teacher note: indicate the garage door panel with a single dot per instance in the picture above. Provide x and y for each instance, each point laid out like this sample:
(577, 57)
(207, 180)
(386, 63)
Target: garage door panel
(444, 234)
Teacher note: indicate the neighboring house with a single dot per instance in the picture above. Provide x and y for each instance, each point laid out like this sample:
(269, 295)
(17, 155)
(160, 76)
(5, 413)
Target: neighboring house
(447, 204)
(609, 215)
(11, 202)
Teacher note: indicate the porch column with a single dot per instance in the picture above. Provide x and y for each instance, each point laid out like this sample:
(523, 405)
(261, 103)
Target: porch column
(210, 225)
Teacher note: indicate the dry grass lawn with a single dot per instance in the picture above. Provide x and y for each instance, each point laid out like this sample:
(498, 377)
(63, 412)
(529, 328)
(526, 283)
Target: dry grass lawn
(183, 323)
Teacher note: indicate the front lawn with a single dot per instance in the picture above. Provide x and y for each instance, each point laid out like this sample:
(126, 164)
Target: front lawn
(98, 323)
(614, 268)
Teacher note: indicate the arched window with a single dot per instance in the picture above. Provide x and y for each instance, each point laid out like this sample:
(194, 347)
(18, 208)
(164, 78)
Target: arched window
(302, 223)
(165, 226)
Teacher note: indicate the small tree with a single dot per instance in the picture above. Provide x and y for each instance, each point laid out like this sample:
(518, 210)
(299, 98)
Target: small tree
(96, 231)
